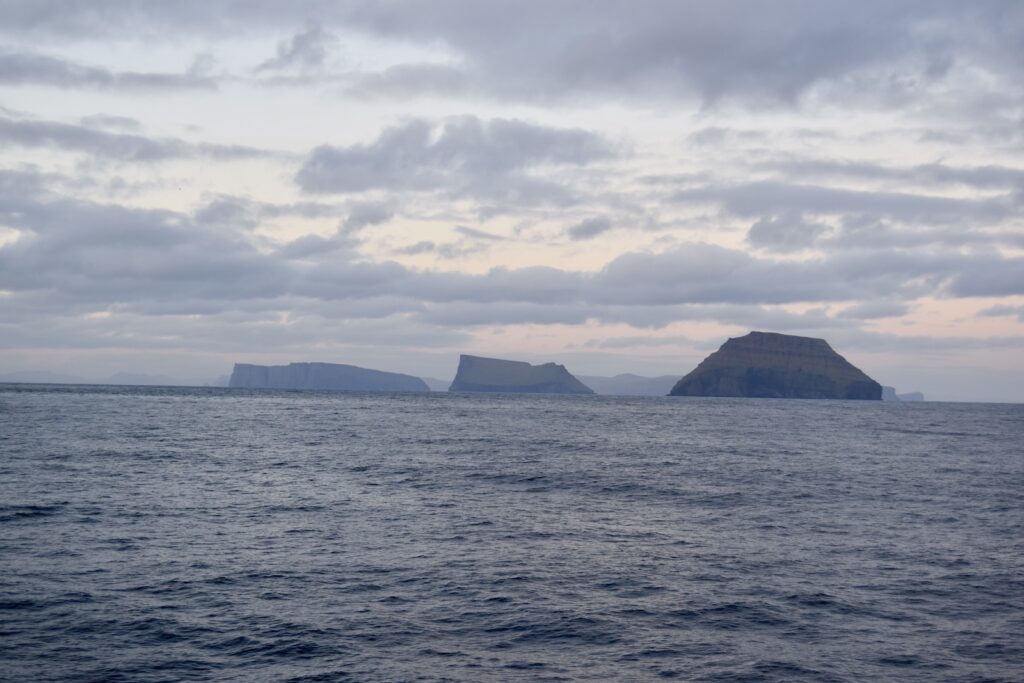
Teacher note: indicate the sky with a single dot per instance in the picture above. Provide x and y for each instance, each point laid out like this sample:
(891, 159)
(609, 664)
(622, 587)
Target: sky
(615, 186)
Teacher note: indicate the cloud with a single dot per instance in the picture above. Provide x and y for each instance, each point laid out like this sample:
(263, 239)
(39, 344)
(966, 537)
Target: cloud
(918, 345)
(465, 157)
(1004, 310)
(866, 232)
(123, 123)
(409, 80)
(78, 252)
(305, 50)
(23, 68)
(635, 341)
(1007, 280)
(776, 198)
(990, 176)
(873, 310)
(446, 250)
(787, 232)
(808, 166)
(120, 146)
(742, 50)
(82, 251)
(163, 279)
(589, 228)
(364, 214)
(421, 247)
(475, 234)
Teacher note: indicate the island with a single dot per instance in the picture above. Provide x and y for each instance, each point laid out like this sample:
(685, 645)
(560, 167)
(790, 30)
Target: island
(628, 384)
(510, 376)
(322, 376)
(889, 394)
(773, 365)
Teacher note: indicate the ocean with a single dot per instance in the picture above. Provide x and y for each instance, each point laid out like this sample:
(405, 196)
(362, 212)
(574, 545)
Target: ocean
(177, 534)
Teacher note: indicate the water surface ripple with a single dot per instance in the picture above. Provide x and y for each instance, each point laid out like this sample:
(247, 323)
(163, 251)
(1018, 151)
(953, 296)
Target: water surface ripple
(205, 534)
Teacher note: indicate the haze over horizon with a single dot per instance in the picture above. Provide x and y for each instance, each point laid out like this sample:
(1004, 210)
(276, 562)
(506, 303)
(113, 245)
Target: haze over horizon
(615, 187)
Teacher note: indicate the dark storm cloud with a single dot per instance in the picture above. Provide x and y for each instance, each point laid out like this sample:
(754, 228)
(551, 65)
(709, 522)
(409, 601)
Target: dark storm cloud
(119, 146)
(466, 157)
(20, 68)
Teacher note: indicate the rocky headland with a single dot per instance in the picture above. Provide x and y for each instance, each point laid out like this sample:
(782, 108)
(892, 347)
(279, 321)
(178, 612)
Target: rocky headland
(322, 376)
(772, 365)
(495, 375)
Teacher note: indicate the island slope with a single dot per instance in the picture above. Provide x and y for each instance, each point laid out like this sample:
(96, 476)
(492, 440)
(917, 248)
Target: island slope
(492, 374)
(772, 365)
(322, 376)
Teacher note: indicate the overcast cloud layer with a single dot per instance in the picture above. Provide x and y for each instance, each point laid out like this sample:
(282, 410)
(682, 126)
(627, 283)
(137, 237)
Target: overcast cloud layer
(617, 186)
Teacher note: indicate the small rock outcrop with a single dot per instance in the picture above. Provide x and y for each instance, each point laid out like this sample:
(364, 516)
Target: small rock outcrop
(772, 365)
(322, 376)
(889, 394)
(510, 376)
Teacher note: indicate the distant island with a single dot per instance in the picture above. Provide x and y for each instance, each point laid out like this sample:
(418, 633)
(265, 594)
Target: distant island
(772, 365)
(628, 384)
(495, 375)
(323, 376)
(889, 394)
(756, 365)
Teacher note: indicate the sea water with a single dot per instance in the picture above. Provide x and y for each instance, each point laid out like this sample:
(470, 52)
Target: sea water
(230, 535)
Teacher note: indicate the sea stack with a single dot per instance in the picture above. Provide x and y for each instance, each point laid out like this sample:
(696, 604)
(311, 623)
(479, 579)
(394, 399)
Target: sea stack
(321, 376)
(510, 376)
(772, 365)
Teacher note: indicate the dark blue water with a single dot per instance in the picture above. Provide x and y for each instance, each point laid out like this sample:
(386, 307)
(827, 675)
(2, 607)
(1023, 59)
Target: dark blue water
(166, 534)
